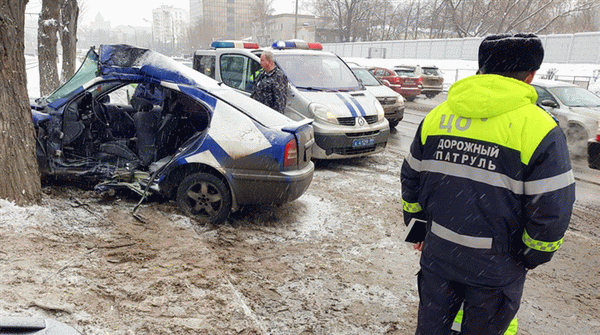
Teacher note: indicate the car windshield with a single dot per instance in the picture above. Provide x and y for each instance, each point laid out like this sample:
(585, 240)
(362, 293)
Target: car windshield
(404, 72)
(317, 72)
(366, 77)
(576, 96)
(431, 71)
(87, 71)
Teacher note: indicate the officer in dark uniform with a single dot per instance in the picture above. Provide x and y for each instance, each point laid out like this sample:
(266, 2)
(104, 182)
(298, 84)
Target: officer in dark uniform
(489, 172)
(271, 84)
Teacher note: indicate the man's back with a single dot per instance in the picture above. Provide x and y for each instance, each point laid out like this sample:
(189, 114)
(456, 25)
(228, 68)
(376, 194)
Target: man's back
(481, 149)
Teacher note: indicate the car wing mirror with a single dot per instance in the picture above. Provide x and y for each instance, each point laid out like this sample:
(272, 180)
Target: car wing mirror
(549, 103)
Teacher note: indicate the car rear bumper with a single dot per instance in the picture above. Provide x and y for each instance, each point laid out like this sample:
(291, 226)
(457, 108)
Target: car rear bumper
(406, 91)
(254, 187)
(594, 154)
(432, 89)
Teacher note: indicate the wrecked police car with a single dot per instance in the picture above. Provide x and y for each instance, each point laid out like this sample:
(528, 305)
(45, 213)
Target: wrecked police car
(133, 118)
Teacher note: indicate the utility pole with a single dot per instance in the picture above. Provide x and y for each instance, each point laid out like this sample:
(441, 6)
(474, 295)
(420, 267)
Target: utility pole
(296, 23)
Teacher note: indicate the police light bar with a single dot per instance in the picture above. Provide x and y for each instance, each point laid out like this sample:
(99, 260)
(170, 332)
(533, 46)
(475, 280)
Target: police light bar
(233, 44)
(297, 44)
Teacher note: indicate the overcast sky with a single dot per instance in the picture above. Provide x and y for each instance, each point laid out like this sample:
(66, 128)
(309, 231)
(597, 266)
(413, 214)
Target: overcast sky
(133, 12)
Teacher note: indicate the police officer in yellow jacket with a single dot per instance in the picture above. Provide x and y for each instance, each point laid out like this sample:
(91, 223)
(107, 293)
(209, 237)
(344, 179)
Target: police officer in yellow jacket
(490, 173)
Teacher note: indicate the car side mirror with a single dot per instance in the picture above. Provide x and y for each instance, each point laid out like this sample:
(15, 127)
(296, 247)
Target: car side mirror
(549, 103)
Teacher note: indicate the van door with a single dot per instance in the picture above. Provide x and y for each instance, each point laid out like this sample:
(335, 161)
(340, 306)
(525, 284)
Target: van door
(239, 70)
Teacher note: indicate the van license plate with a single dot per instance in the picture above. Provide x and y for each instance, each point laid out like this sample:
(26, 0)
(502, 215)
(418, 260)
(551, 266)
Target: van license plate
(363, 142)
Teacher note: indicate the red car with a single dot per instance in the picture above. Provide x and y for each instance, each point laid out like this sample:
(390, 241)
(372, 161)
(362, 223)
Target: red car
(407, 85)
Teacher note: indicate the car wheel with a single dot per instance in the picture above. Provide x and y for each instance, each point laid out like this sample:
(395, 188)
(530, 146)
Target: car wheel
(577, 140)
(410, 98)
(205, 198)
(430, 95)
(394, 123)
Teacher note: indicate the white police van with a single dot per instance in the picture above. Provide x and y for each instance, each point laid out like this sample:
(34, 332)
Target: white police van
(348, 120)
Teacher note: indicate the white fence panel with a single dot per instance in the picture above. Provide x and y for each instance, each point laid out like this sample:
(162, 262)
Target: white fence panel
(566, 48)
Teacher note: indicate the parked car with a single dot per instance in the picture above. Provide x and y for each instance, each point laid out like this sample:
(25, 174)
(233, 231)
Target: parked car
(576, 109)
(433, 80)
(133, 118)
(403, 82)
(391, 101)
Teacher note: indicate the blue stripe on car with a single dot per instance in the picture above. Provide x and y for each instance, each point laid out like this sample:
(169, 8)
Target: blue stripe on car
(348, 104)
(362, 111)
(195, 92)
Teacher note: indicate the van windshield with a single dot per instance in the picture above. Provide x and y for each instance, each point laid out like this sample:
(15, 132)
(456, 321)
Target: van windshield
(317, 72)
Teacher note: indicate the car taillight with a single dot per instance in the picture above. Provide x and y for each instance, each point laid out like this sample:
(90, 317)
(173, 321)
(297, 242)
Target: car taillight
(290, 158)
(420, 81)
(398, 80)
(598, 134)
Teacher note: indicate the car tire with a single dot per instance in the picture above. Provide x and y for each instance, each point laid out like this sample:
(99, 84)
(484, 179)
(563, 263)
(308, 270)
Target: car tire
(410, 98)
(430, 95)
(394, 123)
(577, 140)
(204, 197)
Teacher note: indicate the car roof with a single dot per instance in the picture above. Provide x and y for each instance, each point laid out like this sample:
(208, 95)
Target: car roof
(128, 60)
(552, 83)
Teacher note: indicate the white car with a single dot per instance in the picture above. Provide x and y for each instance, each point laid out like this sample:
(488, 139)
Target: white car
(576, 109)
(391, 101)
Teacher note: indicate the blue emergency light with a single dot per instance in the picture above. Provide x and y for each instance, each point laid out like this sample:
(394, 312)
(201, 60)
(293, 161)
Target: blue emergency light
(233, 44)
(296, 44)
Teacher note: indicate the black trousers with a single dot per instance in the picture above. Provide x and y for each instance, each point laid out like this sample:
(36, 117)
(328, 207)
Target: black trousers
(487, 311)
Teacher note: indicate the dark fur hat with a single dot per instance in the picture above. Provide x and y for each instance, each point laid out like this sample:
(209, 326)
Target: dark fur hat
(505, 53)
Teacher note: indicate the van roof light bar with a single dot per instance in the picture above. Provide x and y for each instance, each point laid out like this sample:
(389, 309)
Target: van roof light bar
(233, 44)
(297, 44)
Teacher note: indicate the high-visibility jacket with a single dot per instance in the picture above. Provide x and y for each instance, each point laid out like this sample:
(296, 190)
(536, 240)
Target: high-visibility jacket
(490, 172)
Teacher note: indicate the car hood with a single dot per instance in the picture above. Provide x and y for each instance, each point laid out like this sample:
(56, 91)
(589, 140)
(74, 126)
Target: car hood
(344, 104)
(382, 91)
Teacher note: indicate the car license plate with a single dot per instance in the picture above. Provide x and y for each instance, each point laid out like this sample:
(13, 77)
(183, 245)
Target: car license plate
(362, 142)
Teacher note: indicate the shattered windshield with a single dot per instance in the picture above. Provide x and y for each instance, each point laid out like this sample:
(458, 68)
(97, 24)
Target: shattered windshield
(317, 72)
(87, 71)
(576, 96)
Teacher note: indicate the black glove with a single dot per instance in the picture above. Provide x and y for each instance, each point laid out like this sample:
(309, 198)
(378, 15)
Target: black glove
(531, 258)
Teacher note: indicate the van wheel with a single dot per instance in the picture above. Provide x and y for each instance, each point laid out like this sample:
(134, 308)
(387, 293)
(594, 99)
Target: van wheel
(204, 197)
(577, 140)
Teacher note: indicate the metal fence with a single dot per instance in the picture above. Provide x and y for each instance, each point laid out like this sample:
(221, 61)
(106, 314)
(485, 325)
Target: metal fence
(580, 48)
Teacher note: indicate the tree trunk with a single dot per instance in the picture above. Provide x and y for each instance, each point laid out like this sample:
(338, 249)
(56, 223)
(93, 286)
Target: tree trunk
(68, 37)
(19, 180)
(47, 41)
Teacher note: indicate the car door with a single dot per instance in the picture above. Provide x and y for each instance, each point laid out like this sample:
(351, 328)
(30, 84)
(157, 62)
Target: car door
(238, 69)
